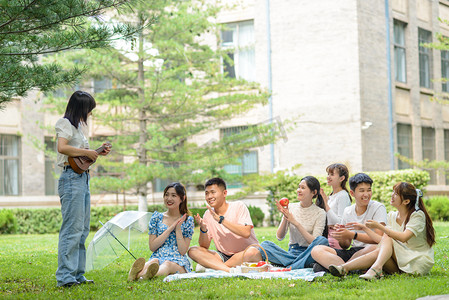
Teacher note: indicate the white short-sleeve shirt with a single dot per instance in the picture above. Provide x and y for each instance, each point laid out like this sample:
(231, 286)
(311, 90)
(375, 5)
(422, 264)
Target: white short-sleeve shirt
(375, 211)
(76, 138)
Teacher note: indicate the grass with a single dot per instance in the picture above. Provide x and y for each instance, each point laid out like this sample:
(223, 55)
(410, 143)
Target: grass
(28, 264)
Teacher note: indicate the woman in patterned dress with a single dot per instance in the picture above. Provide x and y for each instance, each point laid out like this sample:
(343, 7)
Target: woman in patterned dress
(170, 234)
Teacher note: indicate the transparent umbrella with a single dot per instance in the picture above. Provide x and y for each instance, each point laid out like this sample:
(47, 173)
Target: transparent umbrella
(115, 237)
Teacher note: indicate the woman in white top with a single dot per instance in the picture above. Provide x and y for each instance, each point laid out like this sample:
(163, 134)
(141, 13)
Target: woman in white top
(73, 190)
(305, 221)
(338, 200)
(406, 246)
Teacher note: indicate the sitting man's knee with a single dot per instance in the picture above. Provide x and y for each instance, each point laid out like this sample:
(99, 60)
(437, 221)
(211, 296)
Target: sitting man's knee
(253, 254)
(193, 250)
(318, 249)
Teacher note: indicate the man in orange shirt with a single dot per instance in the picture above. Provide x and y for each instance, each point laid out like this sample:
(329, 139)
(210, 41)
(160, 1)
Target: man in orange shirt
(229, 224)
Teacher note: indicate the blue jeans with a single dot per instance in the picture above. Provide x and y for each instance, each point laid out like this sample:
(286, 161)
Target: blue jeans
(297, 257)
(74, 195)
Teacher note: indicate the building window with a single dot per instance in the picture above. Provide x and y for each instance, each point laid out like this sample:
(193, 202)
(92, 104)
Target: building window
(399, 51)
(425, 58)
(404, 136)
(9, 165)
(445, 70)
(428, 149)
(446, 152)
(248, 162)
(238, 41)
(52, 172)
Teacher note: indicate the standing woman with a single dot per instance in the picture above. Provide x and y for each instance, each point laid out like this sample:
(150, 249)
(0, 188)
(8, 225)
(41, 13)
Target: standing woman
(73, 189)
(338, 200)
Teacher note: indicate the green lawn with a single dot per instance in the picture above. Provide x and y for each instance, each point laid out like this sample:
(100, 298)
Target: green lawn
(28, 264)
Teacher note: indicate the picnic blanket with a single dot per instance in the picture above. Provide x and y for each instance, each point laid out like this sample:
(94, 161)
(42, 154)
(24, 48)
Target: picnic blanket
(299, 274)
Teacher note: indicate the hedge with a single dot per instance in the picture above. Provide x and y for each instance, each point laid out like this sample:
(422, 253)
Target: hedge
(438, 208)
(8, 222)
(48, 220)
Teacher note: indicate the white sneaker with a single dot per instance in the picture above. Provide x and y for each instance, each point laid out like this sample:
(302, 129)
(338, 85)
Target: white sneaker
(200, 268)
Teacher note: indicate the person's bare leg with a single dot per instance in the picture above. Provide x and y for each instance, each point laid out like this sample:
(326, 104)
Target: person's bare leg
(169, 267)
(361, 262)
(326, 256)
(385, 255)
(251, 255)
(208, 259)
(364, 251)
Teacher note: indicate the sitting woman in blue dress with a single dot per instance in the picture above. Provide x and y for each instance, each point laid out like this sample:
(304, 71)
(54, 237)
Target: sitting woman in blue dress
(170, 235)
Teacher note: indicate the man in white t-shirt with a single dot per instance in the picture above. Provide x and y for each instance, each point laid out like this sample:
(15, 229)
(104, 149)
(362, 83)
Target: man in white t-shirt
(228, 224)
(353, 240)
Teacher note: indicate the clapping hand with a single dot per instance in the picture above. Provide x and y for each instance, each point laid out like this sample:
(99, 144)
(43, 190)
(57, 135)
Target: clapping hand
(181, 220)
(201, 223)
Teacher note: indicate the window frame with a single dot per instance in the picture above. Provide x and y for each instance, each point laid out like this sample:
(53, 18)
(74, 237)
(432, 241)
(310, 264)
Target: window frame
(445, 67)
(234, 50)
(427, 140)
(401, 145)
(4, 158)
(400, 48)
(425, 67)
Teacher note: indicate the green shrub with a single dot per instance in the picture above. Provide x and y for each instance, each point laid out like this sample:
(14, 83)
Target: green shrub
(384, 182)
(438, 208)
(49, 220)
(257, 215)
(8, 222)
(38, 220)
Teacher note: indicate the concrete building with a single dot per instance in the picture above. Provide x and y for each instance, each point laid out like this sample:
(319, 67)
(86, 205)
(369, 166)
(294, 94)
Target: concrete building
(351, 73)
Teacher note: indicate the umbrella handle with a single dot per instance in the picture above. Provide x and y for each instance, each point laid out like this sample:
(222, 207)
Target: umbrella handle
(117, 239)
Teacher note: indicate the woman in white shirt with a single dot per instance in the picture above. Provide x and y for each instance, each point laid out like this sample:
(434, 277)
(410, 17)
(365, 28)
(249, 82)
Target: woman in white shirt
(73, 190)
(338, 200)
(306, 222)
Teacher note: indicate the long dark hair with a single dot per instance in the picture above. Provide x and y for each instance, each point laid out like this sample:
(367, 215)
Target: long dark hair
(342, 171)
(314, 185)
(408, 191)
(79, 106)
(181, 192)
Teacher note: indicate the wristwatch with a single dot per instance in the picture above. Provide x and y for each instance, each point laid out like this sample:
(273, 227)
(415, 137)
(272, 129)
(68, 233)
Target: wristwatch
(221, 220)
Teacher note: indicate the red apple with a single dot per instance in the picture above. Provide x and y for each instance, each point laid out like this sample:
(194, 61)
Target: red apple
(260, 263)
(283, 202)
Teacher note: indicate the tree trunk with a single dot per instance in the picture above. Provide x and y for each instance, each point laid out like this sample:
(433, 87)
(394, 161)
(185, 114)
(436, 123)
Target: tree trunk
(143, 136)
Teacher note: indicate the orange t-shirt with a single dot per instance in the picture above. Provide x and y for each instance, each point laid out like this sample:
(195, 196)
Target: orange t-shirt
(225, 240)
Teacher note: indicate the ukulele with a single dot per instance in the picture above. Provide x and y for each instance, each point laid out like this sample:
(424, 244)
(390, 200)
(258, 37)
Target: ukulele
(80, 164)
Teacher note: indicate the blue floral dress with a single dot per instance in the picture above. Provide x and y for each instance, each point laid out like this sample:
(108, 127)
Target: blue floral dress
(169, 249)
